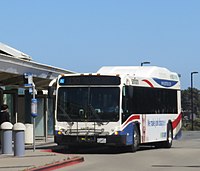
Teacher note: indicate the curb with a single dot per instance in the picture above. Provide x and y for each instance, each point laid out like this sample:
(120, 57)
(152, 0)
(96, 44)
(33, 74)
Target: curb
(57, 165)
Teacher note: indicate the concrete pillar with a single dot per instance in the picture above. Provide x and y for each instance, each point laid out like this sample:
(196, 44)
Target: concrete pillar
(6, 138)
(19, 139)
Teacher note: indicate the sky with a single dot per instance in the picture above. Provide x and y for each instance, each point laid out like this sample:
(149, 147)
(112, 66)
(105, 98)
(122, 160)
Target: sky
(84, 35)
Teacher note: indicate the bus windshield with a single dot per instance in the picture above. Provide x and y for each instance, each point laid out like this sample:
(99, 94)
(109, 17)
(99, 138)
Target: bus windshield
(92, 104)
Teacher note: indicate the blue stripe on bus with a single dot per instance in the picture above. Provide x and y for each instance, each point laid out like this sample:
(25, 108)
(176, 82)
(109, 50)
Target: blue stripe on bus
(128, 132)
(165, 83)
(178, 135)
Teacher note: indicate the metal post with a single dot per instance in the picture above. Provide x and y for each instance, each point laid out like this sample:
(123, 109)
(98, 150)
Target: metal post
(33, 120)
(33, 134)
(28, 82)
(192, 108)
(142, 63)
(16, 116)
(46, 119)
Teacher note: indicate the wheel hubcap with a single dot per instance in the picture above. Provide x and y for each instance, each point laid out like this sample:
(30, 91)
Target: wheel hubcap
(170, 137)
(135, 139)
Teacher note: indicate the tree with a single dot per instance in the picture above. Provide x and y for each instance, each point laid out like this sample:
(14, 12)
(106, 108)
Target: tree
(186, 106)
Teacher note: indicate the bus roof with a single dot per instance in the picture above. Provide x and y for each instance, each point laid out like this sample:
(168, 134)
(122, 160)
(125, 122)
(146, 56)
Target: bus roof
(140, 71)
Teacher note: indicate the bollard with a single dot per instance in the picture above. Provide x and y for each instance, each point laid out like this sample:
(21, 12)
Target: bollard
(6, 138)
(19, 138)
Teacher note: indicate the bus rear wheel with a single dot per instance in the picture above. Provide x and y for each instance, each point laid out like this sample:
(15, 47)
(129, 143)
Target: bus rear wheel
(168, 142)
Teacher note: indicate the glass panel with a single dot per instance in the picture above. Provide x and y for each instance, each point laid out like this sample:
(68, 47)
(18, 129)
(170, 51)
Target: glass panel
(104, 104)
(8, 99)
(91, 104)
(143, 100)
(72, 103)
(50, 116)
(39, 120)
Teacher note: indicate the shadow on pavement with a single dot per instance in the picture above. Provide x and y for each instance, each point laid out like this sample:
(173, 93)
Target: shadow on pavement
(97, 150)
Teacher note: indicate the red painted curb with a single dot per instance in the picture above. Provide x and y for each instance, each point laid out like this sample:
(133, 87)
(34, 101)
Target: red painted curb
(57, 165)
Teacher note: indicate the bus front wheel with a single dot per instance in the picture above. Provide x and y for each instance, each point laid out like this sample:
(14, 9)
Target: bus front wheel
(136, 139)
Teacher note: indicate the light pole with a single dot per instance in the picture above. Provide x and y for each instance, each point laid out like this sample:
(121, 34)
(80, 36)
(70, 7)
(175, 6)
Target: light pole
(142, 63)
(192, 110)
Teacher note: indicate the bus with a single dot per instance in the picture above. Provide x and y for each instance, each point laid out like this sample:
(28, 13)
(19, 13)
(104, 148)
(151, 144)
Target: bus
(118, 106)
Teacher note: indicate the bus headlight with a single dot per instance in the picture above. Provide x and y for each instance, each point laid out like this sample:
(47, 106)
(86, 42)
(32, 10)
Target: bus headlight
(116, 133)
(59, 132)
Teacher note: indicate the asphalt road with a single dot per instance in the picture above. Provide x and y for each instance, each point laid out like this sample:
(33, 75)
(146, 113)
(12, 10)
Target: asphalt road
(183, 156)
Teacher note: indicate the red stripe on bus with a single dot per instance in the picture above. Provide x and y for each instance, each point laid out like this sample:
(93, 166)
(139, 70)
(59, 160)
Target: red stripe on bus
(148, 82)
(176, 121)
(133, 117)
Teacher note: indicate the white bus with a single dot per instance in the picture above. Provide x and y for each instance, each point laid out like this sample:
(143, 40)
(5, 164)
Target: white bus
(118, 106)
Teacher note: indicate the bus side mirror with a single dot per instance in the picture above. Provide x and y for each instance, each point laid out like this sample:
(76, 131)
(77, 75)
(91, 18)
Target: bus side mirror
(51, 92)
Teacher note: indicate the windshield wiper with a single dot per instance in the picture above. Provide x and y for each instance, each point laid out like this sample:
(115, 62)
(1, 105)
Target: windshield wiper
(93, 112)
(70, 122)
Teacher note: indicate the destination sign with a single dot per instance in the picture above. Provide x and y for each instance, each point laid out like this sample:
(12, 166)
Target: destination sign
(89, 80)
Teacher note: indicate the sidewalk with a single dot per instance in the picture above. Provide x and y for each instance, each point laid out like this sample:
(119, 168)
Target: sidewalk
(43, 158)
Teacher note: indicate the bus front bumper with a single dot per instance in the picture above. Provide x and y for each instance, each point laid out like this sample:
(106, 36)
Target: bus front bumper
(111, 140)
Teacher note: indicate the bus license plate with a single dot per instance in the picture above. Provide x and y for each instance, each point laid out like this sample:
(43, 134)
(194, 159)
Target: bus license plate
(101, 140)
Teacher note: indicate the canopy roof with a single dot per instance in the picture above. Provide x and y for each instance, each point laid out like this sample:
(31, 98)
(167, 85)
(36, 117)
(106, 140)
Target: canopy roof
(13, 65)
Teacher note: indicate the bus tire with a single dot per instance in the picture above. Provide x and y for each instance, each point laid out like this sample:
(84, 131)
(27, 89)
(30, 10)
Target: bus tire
(168, 142)
(136, 139)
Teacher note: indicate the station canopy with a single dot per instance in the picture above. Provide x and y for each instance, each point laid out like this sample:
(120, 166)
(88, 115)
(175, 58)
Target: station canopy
(13, 65)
